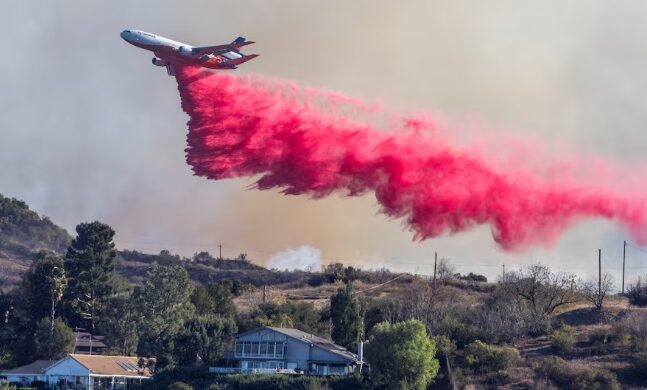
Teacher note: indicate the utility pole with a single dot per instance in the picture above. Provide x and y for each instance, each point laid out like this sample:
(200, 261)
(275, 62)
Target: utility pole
(503, 274)
(599, 273)
(264, 293)
(624, 256)
(435, 260)
(220, 252)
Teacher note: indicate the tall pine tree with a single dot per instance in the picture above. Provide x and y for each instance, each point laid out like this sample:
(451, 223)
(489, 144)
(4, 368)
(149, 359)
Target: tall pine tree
(90, 264)
(346, 316)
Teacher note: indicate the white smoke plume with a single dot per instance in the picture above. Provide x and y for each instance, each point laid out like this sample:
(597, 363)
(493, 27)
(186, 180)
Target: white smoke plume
(305, 258)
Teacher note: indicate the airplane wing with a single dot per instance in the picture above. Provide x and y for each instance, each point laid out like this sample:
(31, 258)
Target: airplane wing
(219, 49)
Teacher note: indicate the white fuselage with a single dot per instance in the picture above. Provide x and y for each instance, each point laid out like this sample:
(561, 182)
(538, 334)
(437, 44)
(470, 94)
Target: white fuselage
(162, 46)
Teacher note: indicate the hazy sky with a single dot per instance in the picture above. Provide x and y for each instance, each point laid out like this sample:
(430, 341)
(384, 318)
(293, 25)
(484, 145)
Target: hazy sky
(91, 130)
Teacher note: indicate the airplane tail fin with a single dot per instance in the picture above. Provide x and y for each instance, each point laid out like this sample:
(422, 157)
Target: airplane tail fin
(238, 41)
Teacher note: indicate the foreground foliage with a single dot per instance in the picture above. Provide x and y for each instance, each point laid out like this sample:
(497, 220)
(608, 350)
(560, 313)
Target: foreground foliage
(401, 355)
(485, 357)
(199, 378)
(571, 377)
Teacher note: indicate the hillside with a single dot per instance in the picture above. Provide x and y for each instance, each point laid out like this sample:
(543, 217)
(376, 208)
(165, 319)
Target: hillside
(203, 268)
(23, 231)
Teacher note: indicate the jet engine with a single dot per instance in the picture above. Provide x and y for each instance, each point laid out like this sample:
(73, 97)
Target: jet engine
(185, 50)
(160, 62)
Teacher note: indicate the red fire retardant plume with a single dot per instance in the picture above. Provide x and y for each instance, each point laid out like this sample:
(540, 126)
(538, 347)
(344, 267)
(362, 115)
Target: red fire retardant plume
(241, 127)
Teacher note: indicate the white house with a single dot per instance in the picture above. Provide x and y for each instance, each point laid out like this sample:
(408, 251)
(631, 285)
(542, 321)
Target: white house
(27, 374)
(87, 372)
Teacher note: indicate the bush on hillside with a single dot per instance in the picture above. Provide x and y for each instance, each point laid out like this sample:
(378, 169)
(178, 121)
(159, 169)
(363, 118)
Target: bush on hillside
(472, 277)
(457, 324)
(634, 325)
(637, 292)
(179, 386)
(569, 377)
(486, 357)
(604, 341)
(563, 339)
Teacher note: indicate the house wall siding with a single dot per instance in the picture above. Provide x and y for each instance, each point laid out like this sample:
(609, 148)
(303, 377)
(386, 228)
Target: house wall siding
(69, 370)
(298, 354)
(321, 354)
(68, 366)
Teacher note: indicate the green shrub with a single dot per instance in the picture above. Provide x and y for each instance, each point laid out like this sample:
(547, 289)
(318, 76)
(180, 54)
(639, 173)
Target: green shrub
(634, 326)
(200, 378)
(486, 357)
(568, 377)
(180, 386)
(445, 345)
(637, 292)
(604, 341)
(502, 377)
(457, 325)
(473, 277)
(564, 339)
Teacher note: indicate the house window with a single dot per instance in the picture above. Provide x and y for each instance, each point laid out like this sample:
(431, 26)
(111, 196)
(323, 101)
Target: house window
(261, 349)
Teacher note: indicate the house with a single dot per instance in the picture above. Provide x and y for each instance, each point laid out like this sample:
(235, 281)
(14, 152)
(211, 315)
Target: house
(27, 374)
(269, 349)
(88, 344)
(86, 372)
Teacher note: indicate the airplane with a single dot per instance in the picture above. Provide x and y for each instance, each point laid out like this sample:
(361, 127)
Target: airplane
(166, 50)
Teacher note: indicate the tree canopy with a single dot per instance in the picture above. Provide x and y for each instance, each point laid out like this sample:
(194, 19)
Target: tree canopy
(401, 355)
(165, 304)
(346, 316)
(54, 347)
(90, 265)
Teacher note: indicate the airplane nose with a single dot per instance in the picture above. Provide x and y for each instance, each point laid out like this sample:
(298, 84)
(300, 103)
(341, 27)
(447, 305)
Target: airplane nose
(124, 34)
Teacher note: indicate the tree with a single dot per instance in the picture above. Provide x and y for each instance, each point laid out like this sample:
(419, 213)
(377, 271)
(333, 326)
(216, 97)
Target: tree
(595, 291)
(7, 334)
(445, 270)
(543, 292)
(120, 323)
(202, 300)
(222, 298)
(346, 316)
(43, 287)
(206, 337)
(215, 298)
(503, 317)
(90, 264)
(401, 355)
(164, 304)
(57, 346)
